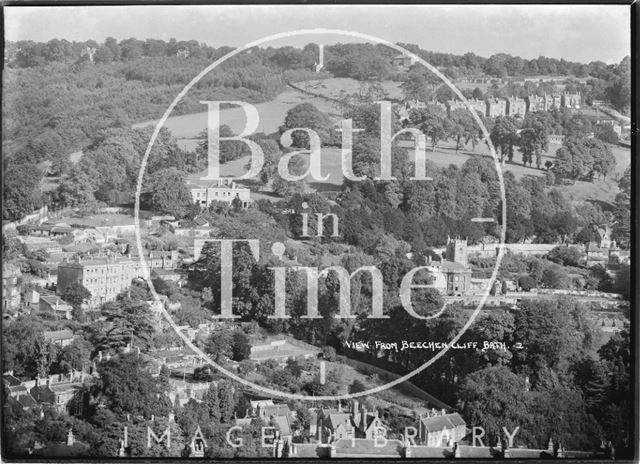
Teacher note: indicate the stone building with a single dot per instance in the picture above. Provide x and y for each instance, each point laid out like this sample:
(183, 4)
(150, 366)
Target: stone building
(516, 107)
(439, 428)
(571, 100)
(10, 286)
(51, 304)
(452, 276)
(496, 107)
(535, 103)
(158, 259)
(552, 102)
(104, 278)
(479, 106)
(224, 190)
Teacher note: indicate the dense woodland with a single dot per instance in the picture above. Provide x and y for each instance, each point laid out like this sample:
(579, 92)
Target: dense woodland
(57, 98)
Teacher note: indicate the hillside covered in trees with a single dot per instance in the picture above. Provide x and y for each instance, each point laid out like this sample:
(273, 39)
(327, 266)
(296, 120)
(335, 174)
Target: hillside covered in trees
(59, 94)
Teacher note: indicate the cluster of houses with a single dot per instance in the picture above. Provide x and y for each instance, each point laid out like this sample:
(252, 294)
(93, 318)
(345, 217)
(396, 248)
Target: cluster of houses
(61, 392)
(495, 107)
(101, 258)
(355, 432)
(329, 429)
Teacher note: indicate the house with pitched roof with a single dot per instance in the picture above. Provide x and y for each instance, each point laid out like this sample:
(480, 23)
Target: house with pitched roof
(17, 391)
(59, 337)
(439, 428)
(51, 304)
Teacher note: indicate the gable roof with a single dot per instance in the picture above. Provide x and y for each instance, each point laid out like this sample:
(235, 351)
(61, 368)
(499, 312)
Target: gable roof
(369, 420)
(10, 380)
(51, 300)
(64, 334)
(446, 421)
(282, 422)
(26, 400)
(343, 419)
(274, 410)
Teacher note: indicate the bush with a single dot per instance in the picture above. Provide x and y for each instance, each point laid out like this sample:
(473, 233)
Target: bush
(329, 353)
(240, 348)
(567, 256)
(357, 386)
(203, 374)
(606, 133)
(246, 366)
(526, 283)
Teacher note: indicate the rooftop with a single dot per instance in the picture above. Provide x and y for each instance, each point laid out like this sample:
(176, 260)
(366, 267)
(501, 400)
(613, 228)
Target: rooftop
(53, 299)
(447, 421)
(64, 334)
(450, 266)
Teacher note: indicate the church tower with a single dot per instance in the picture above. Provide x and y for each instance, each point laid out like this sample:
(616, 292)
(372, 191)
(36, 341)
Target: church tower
(457, 251)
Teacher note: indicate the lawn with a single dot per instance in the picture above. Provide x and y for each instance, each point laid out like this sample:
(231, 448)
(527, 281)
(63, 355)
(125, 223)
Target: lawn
(337, 86)
(97, 220)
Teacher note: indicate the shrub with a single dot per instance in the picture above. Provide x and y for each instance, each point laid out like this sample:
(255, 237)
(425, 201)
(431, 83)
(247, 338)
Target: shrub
(526, 283)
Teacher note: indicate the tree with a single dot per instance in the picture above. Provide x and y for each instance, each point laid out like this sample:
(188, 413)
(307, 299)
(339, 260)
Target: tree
(227, 401)
(128, 318)
(212, 401)
(580, 158)
(526, 283)
(554, 332)
(328, 353)
(77, 187)
(19, 346)
(622, 210)
(418, 85)
(76, 294)
(432, 121)
(103, 55)
(504, 136)
(554, 278)
(169, 193)
(303, 418)
(482, 403)
(578, 126)
(566, 256)
(218, 344)
(307, 116)
(463, 128)
(204, 373)
(241, 348)
(229, 149)
(74, 356)
(20, 191)
(357, 386)
(126, 387)
(560, 412)
(533, 142)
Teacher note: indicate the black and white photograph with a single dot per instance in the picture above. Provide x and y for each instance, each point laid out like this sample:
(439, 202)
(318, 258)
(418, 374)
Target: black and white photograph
(330, 231)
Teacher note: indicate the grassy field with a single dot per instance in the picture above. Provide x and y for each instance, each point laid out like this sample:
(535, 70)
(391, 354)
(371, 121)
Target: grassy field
(271, 113)
(337, 86)
(97, 220)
